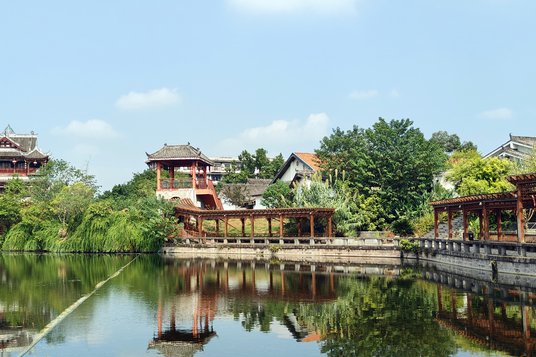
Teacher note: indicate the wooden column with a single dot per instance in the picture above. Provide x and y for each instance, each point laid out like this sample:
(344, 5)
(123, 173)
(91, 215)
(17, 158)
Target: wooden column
(281, 225)
(193, 172)
(158, 168)
(171, 172)
(299, 226)
(520, 217)
(218, 226)
(498, 213)
(200, 225)
(485, 222)
(312, 225)
(243, 226)
(465, 224)
(436, 224)
(159, 319)
(329, 227)
(252, 218)
(480, 221)
(226, 229)
(269, 227)
(449, 214)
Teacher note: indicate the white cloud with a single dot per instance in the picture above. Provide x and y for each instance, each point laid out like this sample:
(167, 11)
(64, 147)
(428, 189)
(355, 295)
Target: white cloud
(364, 94)
(281, 135)
(155, 98)
(295, 6)
(497, 114)
(394, 93)
(92, 129)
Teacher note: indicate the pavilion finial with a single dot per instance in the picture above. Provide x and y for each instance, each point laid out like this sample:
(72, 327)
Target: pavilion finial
(8, 131)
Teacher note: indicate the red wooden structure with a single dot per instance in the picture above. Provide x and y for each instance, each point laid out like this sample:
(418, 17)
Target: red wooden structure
(519, 202)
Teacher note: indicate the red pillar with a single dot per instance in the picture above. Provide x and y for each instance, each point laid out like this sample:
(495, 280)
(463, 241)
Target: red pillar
(499, 223)
(436, 224)
(465, 224)
(520, 217)
(485, 223)
(158, 168)
(312, 225)
(449, 214)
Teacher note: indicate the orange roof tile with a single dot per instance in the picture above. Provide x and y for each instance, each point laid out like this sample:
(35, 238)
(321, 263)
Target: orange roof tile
(310, 159)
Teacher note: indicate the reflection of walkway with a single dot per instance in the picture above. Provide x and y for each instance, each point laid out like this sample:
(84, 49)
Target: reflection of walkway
(499, 325)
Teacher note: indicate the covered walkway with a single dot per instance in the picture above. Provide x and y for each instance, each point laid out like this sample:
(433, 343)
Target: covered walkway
(305, 222)
(490, 210)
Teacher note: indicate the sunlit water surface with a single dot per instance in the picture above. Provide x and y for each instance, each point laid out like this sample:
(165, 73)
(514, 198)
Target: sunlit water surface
(170, 307)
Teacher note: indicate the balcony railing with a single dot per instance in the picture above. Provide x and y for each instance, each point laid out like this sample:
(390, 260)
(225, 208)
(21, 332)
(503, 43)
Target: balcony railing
(18, 171)
(168, 184)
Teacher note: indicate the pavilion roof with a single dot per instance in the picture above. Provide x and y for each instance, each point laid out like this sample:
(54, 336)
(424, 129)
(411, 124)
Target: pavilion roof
(500, 197)
(490, 197)
(187, 207)
(523, 178)
(179, 153)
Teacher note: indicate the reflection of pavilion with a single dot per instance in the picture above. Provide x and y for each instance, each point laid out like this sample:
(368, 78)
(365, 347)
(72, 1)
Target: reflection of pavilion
(488, 322)
(183, 342)
(201, 285)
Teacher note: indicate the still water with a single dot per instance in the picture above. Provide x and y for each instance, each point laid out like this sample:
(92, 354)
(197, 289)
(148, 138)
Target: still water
(170, 307)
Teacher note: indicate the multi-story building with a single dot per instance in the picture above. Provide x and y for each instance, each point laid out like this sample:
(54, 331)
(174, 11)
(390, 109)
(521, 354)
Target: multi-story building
(19, 156)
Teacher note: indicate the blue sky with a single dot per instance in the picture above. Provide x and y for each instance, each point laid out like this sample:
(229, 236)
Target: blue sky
(102, 82)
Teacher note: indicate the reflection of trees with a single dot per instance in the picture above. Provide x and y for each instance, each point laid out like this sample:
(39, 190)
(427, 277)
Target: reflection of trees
(36, 288)
(379, 317)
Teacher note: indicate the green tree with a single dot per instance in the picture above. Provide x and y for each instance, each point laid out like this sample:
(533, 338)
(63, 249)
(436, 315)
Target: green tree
(391, 161)
(471, 174)
(247, 163)
(70, 203)
(55, 175)
(277, 195)
(449, 142)
(11, 203)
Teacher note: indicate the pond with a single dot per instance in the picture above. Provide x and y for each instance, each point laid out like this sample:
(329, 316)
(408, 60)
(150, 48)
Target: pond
(148, 305)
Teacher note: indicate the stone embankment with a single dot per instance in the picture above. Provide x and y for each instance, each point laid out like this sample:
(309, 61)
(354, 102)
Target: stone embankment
(339, 250)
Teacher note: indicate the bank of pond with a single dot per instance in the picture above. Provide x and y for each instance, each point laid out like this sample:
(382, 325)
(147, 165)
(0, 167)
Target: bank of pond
(159, 306)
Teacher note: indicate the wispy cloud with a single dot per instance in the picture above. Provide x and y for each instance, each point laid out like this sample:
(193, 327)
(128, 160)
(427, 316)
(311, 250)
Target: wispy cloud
(394, 93)
(91, 129)
(363, 94)
(155, 98)
(497, 114)
(327, 7)
(282, 135)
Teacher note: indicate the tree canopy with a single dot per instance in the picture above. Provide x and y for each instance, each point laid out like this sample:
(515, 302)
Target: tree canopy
(391, 163)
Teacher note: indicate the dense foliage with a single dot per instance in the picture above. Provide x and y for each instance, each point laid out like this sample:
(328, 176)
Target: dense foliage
(390, 167)
(60, 212)
(256, 165)
(471, 174)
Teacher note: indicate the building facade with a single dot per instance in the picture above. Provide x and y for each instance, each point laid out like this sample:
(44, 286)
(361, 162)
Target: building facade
(182, 173)
(518, 148)
(19, 156)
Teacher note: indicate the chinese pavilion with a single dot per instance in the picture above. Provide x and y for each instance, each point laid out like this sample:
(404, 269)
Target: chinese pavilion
(185, 168)
(19, 155)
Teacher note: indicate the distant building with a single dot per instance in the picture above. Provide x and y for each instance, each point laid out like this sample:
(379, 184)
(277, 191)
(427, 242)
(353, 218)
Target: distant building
(187, 175)
(252, 190)
(19, 156)
(223, 165)
(299, 166)
(518, 148)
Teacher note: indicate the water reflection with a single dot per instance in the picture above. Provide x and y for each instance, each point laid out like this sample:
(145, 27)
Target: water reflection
(36, 288)
(210, 308)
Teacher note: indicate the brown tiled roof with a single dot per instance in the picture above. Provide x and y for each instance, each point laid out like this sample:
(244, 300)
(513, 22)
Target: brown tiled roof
(179, 152)
(35, 154)
(527, 140)
(529, 177)
(476, 198)
(310, 159)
